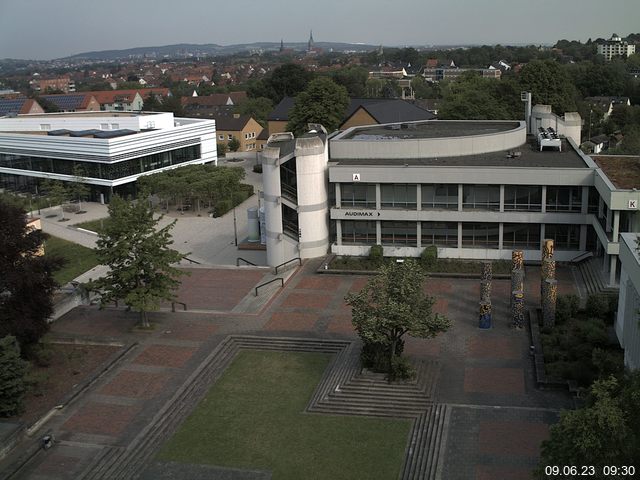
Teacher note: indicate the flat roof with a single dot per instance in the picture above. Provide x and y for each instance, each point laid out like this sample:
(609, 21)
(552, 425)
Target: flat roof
(622, 170)
(429, 129)
(530, 157)
(101, 113)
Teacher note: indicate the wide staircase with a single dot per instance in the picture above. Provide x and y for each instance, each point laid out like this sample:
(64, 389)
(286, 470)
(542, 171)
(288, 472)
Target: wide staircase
(592, 277)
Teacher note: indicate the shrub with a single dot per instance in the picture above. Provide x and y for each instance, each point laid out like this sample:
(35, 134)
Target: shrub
(222, 207)
(429, 257)
(592, 331)
(598, 306)
(12, 377)
(376, 255)
(222, 149)
(238, 197)
(607, 362)
(257, 168)
(40, 354)
(567, 307)
(401, 369)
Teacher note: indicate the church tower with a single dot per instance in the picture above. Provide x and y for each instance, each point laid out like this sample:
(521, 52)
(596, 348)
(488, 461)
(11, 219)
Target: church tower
(310, 45)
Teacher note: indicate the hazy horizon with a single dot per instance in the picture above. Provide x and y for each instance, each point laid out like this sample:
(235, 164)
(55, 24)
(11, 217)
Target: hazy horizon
(39, 30)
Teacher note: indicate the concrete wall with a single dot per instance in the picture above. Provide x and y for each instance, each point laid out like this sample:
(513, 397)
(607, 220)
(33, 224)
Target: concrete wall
(627, 325)
(86, 121)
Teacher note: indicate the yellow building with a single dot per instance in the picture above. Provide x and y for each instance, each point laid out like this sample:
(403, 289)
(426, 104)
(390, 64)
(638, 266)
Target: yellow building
(242, 127)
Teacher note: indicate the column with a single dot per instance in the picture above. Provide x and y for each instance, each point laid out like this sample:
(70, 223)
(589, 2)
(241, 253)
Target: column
(612, 270)
(419, 197)
(378, 199)
(459, 234)
(338, 195)
(584, 208)
(378, 233)
(460, 196)
(583, 237)
(419, 233)
(500, 235)
(501, 198)
(544, 202)
(616, 226)
(549, 297)
(339, 232)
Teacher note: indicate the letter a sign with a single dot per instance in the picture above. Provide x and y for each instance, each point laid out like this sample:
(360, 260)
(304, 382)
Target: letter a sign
(356, 177)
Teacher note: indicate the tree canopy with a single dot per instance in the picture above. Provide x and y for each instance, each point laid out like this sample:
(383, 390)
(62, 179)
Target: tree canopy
(550, 84)
(393, 304)
(26, 282)
(285, 81)
(139, 257)
(322, 102)
(605, 432)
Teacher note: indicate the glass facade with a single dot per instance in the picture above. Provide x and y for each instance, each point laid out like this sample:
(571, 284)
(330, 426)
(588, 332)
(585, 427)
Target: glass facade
(102, 170)
(440, 197)
(564, 199)
(441, 234)
(399, 233)
(290, 222)
(522, 198)
(521, 235)
(565, 237)
(358, 195)
(400, 195)
(481, 197)
(480, 235)
(358, 233)
(289, 180)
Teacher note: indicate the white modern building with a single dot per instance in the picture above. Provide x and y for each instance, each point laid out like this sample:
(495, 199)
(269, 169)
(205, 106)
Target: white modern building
(615, 47)
(113, 148)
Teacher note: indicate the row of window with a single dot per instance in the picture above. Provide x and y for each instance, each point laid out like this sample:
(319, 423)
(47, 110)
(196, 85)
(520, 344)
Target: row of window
(107, 171)
(474, 197)
(474, 234)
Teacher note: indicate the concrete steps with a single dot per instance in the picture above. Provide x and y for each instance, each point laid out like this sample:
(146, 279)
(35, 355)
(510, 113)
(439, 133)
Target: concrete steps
(593, 280)
(427, 443)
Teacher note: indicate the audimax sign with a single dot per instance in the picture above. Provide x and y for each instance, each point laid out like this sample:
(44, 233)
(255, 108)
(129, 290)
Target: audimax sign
(360, 213)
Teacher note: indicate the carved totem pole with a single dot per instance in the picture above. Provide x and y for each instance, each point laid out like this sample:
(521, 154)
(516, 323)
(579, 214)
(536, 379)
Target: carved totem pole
(517, 289)
(548, 284)
(485, 295)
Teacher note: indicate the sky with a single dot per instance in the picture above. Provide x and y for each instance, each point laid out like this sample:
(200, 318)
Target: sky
(47, 29)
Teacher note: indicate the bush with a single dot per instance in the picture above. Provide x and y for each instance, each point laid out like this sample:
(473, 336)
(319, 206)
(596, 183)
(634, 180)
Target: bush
(592, 331)
(222, 149)
(429, 257)
(40, 354)
(567, 307)
(401, 369)
(238, 197)
(222, 207)
(376, 255)
(257, 168)
(598, 306)
(607, 362)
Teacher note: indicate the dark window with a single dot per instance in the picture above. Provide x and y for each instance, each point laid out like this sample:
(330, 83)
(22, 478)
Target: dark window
(289, 180)
(358, 195)
(480, 235)
(290, 222)
(441, 234)
(565, 237)
(358, 232)
(564, 199)
(400, 195)
(440, 197)
(399, 233)
(522, 198)
(481, 197)
(521, 235)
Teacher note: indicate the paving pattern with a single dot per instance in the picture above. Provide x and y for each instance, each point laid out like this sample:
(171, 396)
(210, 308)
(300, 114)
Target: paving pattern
(477, 413)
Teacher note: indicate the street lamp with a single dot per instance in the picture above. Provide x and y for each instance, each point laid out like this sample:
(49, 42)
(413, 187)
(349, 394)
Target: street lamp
(235, 227)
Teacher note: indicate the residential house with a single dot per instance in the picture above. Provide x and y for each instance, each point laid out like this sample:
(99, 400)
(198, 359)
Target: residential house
(214, 105)
(615, 47)
(74, 102)
(19, 106)
(606, 104)
(64, 84)
(242, 127)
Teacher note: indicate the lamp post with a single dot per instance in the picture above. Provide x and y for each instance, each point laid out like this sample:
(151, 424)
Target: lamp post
(235, 227)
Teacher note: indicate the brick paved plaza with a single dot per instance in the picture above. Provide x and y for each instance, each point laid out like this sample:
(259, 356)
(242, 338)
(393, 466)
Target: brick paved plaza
(497, 416)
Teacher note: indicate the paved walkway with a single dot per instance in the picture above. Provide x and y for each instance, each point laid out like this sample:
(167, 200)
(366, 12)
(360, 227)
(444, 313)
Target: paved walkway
(497, 419)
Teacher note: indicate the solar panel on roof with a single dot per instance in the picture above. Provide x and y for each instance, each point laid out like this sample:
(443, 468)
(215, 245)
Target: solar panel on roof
(65, 102)
(11, 105)
(115, 133)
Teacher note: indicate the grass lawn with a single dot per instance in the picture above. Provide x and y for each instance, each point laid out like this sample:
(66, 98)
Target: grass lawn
(79, 259)
(253, 417)
(93, 225)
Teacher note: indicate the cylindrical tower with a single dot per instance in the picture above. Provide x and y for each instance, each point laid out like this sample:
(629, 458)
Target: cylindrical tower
(272, 200)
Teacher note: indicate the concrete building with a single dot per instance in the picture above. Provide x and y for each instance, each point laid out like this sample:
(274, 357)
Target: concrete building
(627, 321)
(114, 149)
(615, 47)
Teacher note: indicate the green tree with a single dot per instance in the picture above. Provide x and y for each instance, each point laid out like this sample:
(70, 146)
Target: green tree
(353, 78)
(57, 194)
(78, 189)
(549, 84)
(26, 282)
(233, 144)
(222, 149)
(151, 103)
(322, 102)
(605, 431)
(12, 373)
(285, 81)
(393, 304)
(258, 108)
(139, 257)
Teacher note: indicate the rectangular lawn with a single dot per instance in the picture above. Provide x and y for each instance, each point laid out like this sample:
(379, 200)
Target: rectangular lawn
(254, 418)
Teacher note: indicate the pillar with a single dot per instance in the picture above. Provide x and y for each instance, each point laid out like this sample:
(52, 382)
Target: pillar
(517, 260)
(550, 294)
(485, 315)
(517, 309)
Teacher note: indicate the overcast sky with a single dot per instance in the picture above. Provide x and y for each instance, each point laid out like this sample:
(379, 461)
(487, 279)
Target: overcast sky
(45, 29)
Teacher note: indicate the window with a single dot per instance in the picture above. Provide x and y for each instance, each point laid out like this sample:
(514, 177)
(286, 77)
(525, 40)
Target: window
(401, 195)
(115, 126)
(358, 232)
(521, 235)
(440, 197)
(480, 235)
(564, 199)
(481, 197)
(522, 198)
(220, 137)
(399, 233)
(441, 234)
(358, 195)
(229, 137)
(104, 126)
(565, 237)
(45, 126)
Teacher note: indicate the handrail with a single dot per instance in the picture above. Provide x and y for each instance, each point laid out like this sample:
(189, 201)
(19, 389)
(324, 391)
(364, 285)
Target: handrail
(580, 258)
(192, 261)
(173, 306)
(270, 281)
(289, 261)
(244, 260)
